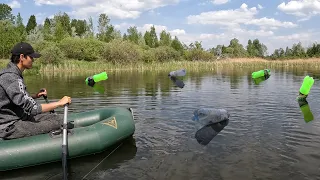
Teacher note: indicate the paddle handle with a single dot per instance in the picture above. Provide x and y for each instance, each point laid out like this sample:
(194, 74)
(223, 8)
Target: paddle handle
(46, 99)
(65, 143)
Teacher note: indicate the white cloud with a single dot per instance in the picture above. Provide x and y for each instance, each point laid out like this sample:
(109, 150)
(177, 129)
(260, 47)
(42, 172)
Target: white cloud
(147, 27)
(270, 22)
(294, 37)
(14, 4)
(236, 17)
(121, 9)
(260, 7)
(218, 2)
(123, 26)
(177, 32)
(301, 8)
(159, 28)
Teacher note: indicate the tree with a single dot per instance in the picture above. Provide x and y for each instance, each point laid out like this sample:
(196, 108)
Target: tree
(35, 35)
(20, 27)
(151, 38)
(165, 38)
(64, 20)
(250, 49)
(111, 33)
(89, 29)
(176, 44)
(103, 23)
(47, 32)
(9, 36)
(6, 12)
(59, 32)
(236, 48)
(125, 37)
(32, 23)
(133, 34)
(80, 26)
(298, 51)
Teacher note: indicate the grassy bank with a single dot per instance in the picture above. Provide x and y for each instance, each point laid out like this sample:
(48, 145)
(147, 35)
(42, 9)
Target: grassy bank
(85, 66)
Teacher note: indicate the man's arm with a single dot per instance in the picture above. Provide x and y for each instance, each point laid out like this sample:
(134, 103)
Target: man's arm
(50, 106)
(18, 95)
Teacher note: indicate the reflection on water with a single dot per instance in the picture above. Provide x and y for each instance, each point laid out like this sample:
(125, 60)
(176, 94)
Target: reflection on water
(177, 81)
(208, 132)
(80, 167)
(267, 139)
(258, 80)
(305, 109)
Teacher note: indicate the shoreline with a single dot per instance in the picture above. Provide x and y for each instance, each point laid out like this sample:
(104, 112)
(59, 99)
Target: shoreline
(95, 66)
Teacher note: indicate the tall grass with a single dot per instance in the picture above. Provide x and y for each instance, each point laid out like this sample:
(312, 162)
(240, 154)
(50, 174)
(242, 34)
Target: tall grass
(97, 66)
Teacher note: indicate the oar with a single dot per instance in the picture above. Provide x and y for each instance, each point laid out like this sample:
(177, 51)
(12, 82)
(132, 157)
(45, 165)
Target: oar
(65, 143)
(46, 99)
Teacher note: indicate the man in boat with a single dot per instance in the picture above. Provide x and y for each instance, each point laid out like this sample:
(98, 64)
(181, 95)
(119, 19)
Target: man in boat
(20, 114)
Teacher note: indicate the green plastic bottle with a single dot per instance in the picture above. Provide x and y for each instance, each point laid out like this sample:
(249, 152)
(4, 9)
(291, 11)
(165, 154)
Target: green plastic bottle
(96, 78)
(306, 85)
(260, 73)
(100, 77)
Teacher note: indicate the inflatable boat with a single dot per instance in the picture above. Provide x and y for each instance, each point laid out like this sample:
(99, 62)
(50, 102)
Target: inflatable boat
(94, 131)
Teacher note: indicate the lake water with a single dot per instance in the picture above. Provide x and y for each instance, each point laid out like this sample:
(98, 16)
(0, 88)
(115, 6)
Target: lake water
(266, 137)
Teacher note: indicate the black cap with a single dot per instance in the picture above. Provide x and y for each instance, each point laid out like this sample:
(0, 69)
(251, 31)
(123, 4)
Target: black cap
(24, 48)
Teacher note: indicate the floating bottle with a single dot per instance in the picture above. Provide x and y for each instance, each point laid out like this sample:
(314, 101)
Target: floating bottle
(207, 116)
(261, 73)
(181, 72)
(306, 85)
(96, 78)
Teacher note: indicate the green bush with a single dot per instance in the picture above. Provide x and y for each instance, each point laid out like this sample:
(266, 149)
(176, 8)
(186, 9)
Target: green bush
(148, 56)
(165, 53)
(40, 45)
(198, 55)
(82, 49)
(120, 51)
(51, 55)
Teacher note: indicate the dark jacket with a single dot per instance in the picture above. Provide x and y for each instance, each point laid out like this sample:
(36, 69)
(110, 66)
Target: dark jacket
(15, 102)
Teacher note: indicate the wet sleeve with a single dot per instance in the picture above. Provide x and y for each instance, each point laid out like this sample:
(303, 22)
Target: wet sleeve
(19, 96)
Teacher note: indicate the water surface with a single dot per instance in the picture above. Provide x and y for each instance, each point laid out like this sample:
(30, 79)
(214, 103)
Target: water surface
(266, 137)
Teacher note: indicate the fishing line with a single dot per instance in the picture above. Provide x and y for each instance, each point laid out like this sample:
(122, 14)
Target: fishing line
(101, 161)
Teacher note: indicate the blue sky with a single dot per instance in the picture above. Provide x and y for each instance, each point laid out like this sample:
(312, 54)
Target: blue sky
(276, 23)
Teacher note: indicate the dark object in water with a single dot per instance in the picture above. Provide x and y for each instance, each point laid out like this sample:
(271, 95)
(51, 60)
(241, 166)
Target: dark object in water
(208, 132)
(91, 81)
(177, 81)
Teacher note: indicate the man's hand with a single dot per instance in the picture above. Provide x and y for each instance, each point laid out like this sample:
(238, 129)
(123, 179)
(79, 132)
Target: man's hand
(42, 92)
(64, 100)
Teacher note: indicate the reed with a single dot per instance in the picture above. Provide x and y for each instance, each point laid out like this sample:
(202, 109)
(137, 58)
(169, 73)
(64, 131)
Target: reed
(97, 66)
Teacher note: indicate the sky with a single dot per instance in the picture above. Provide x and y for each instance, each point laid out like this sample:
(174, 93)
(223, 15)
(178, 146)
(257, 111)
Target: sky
(276, 23)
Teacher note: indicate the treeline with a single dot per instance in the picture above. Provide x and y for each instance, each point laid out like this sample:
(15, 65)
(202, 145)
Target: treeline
(62, 38)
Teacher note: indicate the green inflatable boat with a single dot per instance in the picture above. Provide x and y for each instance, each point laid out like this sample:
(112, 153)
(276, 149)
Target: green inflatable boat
(94, 132)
